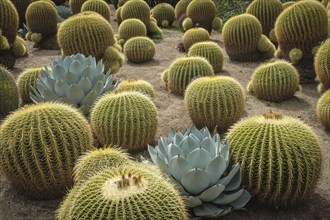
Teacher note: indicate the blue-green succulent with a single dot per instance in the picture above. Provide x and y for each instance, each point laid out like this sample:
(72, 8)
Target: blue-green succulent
(63, 11)
(199, 164)
(76, 80)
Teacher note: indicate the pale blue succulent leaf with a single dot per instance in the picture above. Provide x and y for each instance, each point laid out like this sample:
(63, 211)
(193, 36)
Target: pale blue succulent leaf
(75, 93)
(227, 198)
(212, 193)
(195, 181)
(160, 154)
(89, 73)
(192, 201)
(100, 67)
(209, 146)
(188, 144)
(67, 62)
(75, 67)
(71, 78)
(178, 167)
(207, 210)
(197, 133)
(50, 96)
(162, 165)
(235, 181)
(61, 88)
(205, 131)
(90, 98)
(171, 134)
(152, 153)
(48, 83)
(224, 151)
(58, 72)
(241, 201)
(215, 169)
(199, 158)
(225, 180)
(85, 84)
(178, 138)
(98, 87)
(173, 150)
(98, 78)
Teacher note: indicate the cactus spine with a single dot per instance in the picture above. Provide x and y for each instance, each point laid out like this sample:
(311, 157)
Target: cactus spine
(25, 81)
(215, 102)
(9, 99)
(193, 36)
(99, 6)
(279, 166)
(139, 49)
(322, 66)
(137, 85)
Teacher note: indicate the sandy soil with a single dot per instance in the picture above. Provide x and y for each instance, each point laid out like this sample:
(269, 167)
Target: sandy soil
(172, 114)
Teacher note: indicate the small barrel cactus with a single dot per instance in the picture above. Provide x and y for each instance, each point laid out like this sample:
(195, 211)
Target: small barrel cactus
(183, 71)
(40, 162)
(97, 160)
(99, 6)
(199, 165)
(139, 49)
(322, 66)
(274, 81)
(209, 50)
(126, 119)
(180, 11)
(280, 156)
(90, 34)
(26, 81)
(19, 48)
(216, 102)
(75, 5)
(193, 36)
(164, 14)
(323, 109)
(238, 46)
(137, 85)
(202, 13)
(9, 98)
(21, 6)
(303, 26)
(126, 192)
(131, 28)
(266, 11)
(76, 80)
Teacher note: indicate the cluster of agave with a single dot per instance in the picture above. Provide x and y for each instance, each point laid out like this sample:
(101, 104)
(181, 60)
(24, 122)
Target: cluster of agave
(76, 80)
(199, 165)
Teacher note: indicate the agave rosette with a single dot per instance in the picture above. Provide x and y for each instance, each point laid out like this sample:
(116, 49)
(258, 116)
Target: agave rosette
(199, 164)
(76, 80)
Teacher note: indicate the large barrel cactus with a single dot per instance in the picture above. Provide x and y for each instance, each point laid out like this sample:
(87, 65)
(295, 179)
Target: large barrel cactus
(280, 156)
(275, 81)
(99, 6)
(183, 71)
(209, 50)
(193, 36)
(137, 85)
(266, 11)
(215, 102)
(323, 109)
(126, 119)
(322, 66)
(26, 81)
(90, 34)
(302, 27)
(139, 49)
(243, 39)
(164, 14)
(9, 97)
(127, 192)
(40, 161)
(131, 28)
(199, 165)
(76, 80)
(97, 160)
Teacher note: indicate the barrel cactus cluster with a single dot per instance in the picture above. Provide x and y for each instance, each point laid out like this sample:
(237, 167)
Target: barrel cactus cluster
(139, 49)
(131, 28)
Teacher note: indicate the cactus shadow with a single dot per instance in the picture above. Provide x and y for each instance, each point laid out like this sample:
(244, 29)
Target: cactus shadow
(148, 63)
(310, 89)
(289, 104)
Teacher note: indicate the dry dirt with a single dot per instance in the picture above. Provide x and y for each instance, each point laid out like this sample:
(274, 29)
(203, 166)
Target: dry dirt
(172, 114)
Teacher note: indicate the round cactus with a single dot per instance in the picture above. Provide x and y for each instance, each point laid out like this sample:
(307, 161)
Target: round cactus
(164, 14)
(9, 20)
(215, 102)
(238, 46)
(75, 5)
(7, 58)
(183, 71)
(21, 6)
(125, 192)
(137, 85)
(303, 26)
(322, 66)
(26, 80)
(266, 11)
(275, 81)
(9, 99)
(40, 162)
(126, 119)
(211, 51)
(280, 157)
(99, 6)
(193, 36)
(97, 160)
(19, 48)
(139, 49)
(180, 10)
(138, 9)
(131, 28)
(323, 109)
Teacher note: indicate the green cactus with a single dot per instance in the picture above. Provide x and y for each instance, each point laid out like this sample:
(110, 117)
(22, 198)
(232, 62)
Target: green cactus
(323, 109)
(266, 11)
(99, 6)
(21, 6)
(183, 70)
(19, 48)
(209, 50)
(97, 160)
(9, 98)
(7, 58)
(280, 157)
(164, 14)
(131, 28)
(9, 20)
(25, 81)
(75, 5)
(126, 192)
(193, 36)
(137, 85)
(118, 15)
(40, 161)
(126, 119)
(288, 4)
(274, 81)
(303, 26)
(215, 102)
(322, 66)
(180, 11)
(139, 49)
